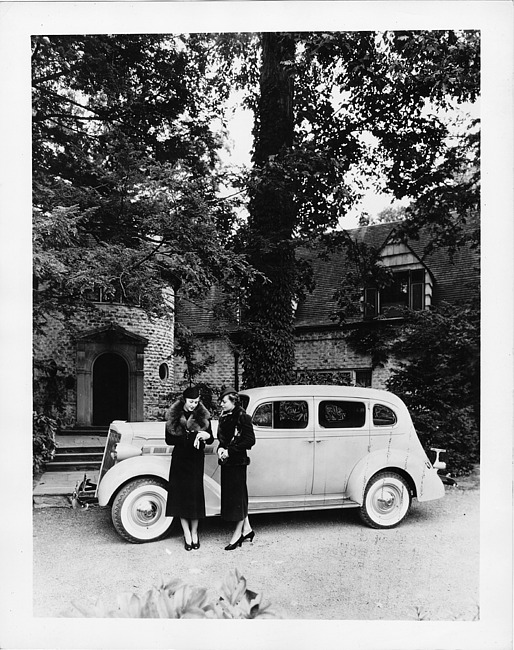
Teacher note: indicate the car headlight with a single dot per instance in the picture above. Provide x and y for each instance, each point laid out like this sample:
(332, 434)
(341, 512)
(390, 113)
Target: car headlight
(122, 452)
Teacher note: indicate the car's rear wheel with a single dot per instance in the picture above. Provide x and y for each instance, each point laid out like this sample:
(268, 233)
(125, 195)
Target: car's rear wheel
(387, 500)
(139, 511)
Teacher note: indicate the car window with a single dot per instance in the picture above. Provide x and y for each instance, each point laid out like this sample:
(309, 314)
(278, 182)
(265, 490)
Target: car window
(282, 414)
(338, 414)
(383, 416)
(263, 416)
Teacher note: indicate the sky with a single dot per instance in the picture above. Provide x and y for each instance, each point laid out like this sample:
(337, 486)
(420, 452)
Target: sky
(241, 141)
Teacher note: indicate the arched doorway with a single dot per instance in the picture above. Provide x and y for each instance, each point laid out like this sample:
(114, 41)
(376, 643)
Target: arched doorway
(118, 353)
(110, 389)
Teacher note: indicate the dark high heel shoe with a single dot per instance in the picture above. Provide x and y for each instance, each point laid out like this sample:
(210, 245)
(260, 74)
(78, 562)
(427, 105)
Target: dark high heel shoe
(249, 536)
(187, 546)
(231, 547)
(196, 545)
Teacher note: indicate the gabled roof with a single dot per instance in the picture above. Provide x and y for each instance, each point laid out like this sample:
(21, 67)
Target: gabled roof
(452, 280)
(110, 332)
(200, 315)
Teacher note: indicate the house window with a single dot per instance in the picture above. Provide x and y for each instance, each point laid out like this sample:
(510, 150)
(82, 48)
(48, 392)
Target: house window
(334, 377)
(164, 372)
(115, 296)
(407, 290)
(363, 377)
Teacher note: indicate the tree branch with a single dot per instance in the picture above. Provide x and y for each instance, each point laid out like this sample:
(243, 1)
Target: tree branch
(64, 126)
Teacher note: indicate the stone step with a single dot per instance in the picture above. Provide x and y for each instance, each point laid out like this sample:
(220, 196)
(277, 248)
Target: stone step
(72, 456)
(104, 428)
(55, 488)
(69, 451)
(71, 466)
(80, 441)
(99, 432)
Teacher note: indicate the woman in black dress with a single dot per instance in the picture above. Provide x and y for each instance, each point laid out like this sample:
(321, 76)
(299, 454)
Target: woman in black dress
(188, 429)
(236, 436)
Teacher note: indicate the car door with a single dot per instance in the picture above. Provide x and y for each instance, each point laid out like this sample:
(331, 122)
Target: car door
(341, 439)
(283, 456)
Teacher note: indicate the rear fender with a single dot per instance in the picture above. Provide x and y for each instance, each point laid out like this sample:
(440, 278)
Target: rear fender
(427, 485)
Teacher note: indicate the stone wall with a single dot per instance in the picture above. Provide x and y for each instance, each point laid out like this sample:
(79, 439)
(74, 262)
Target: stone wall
(314, 351)
(220, 373)
(326, 350)
(57, 343)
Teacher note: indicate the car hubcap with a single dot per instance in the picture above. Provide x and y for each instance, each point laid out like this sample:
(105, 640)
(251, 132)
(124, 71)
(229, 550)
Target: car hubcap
(147, 510)
(386, 500)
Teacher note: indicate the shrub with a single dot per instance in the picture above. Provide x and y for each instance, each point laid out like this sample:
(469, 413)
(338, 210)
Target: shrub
(176, 599)
(440, 383)
(44, 429)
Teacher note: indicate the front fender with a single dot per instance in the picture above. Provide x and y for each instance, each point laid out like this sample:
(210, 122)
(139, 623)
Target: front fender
(158, 466)
(131, 468)
(428, 485)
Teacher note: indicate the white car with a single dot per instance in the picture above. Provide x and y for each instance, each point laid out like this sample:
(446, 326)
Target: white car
(316, 447)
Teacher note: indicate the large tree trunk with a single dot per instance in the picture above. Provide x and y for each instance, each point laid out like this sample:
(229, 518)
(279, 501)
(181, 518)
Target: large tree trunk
(268, 343)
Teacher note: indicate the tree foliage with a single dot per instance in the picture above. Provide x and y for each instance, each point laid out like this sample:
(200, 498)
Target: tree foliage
(348, 107)
(127, 175)
(440, 381)
(126, 170)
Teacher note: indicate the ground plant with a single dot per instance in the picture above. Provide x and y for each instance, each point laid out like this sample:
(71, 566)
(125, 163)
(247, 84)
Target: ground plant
(177, 599)
(43, 440)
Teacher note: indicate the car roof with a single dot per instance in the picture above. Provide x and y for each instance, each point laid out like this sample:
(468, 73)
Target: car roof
(306, 390)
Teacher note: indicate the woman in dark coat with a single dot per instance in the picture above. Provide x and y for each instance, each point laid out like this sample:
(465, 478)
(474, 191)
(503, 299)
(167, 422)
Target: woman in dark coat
(236, 436)
(188, 429)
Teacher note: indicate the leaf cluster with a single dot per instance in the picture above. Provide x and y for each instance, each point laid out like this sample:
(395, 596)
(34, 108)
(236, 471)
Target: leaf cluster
(126, 170)
(352, 110)
(176, 599)
(440, 381)
(44, 429)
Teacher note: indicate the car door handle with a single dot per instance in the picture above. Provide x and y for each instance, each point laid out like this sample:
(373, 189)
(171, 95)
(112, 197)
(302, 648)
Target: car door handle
(310, 441)
(318, 441)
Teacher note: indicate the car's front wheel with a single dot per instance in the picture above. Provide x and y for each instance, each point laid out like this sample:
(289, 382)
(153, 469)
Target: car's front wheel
(139, 511)
(387, 500)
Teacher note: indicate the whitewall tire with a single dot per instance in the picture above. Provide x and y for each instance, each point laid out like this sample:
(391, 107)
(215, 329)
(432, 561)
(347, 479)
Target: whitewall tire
(387, 500)
(139, 511)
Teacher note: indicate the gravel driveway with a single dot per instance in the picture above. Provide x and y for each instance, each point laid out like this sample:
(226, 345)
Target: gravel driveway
(315, 565)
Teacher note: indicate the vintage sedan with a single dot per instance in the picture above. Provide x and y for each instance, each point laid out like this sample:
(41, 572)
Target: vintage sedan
(317, 447)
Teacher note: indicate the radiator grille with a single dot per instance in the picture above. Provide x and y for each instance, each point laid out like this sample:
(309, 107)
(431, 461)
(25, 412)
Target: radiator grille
(107, 460)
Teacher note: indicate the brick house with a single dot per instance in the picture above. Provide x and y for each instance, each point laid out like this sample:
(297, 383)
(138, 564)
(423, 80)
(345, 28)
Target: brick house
(109, 360)
(322, 353)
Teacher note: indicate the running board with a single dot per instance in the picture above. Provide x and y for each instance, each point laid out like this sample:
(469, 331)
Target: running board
(276, 503)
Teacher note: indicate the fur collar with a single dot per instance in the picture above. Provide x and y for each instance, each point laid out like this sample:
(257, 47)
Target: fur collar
(180, 423)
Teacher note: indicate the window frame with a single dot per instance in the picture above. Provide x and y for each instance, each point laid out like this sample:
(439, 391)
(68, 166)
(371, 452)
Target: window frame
(373, 299)
(386, 406)
(276, 401)
(336, 400)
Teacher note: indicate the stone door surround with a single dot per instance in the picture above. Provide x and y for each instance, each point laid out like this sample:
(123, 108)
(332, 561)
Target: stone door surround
(110, 338)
